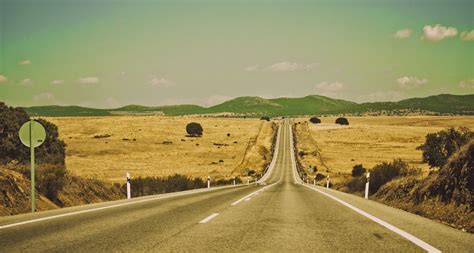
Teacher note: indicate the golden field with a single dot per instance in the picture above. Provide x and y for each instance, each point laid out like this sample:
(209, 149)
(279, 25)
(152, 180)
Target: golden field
(368, 141)
(158, 146)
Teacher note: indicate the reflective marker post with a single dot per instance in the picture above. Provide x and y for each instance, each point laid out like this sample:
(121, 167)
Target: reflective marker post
(208, 181)
(129, 193)
(367, 186)
(327, 182)
(32, 134)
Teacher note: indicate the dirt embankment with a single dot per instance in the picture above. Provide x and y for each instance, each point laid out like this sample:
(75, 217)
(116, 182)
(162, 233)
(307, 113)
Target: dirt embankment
(446, 195)
(15, 193)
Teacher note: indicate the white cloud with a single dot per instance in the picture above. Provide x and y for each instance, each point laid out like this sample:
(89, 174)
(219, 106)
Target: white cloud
(57, 82)
(25, 62)
(411, 82)
(45, 98)
(438, 32)
(26, 82)
(284, 67)
(467, 36)
(403, 34)
(88, 80)
(467, 84)
(161, 82)
(381, 96)
(252, 68)
(3, 79)
(216, 99)
(329, 87)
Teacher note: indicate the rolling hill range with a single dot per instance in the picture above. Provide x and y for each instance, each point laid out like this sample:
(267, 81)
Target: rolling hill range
(257, 106)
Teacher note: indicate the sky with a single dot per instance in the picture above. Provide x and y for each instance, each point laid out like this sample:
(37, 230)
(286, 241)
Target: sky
(110, 53)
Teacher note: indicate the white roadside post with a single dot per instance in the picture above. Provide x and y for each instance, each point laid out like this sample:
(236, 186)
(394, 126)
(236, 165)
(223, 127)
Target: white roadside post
(367, 186)
(208, 181)
(327, 182)
(314, 181)
(234, 181)
(129, 193)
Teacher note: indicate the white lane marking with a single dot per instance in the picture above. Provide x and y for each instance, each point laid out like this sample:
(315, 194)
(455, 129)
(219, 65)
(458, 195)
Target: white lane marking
(404, 234)
(251, 194)
(113, 206)
(247, 199)
(208, 218)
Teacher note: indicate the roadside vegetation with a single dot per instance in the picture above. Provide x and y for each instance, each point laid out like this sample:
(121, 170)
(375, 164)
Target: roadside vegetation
(436, 181)
(72, 164)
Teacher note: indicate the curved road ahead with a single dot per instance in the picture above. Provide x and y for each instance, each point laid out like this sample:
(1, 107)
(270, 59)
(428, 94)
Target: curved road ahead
(281, 214)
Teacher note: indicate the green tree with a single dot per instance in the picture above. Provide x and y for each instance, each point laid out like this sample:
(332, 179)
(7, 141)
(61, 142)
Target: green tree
(439, 146)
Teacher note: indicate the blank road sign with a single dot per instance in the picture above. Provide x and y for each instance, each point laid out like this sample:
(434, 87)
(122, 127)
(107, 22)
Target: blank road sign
(37, 132)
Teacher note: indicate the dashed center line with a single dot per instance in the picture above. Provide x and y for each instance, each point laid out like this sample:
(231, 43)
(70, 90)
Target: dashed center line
(209, 218)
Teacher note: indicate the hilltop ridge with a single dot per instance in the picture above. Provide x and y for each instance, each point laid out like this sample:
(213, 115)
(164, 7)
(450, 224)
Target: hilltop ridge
(255, 106)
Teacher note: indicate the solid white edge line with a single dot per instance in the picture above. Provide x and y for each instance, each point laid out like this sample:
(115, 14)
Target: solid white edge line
(394, 229)
(184, 193)
(209, 218)
(404, 234)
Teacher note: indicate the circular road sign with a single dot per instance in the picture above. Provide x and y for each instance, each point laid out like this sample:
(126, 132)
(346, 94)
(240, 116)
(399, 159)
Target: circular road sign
(36, 130)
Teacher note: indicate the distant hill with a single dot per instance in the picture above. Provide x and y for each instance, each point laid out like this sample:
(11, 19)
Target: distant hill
(257, 106)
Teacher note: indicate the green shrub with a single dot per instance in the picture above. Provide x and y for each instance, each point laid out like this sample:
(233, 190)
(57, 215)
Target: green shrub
(439, 146)
(385, 172)
(265, 118)
(320, 176)
(52, 151)
(358, 170)
(357, 184)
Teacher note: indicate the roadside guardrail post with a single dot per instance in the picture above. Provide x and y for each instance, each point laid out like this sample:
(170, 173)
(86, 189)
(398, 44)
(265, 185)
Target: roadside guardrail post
(367, 186)
(129, 193)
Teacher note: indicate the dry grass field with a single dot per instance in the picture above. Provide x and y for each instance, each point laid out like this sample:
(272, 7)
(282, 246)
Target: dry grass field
(368, 141)
(158, 146)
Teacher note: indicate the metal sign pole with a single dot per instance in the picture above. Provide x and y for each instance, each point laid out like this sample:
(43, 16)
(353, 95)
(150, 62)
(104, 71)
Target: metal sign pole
(32, 134)
(32, 160)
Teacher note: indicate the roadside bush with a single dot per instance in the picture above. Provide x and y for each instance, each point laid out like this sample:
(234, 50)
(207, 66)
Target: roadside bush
(265, 118)
(194, 129)
(439, 146)
(315, 120)
(358, 170)
(143, 186)
(52, 151)
(357, 184)
(320, 176)
(385, 172)
(342, 121)
(51, 180)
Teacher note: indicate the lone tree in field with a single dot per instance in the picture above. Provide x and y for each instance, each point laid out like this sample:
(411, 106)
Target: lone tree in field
(342, 121)
(194, 129)
(315, 120)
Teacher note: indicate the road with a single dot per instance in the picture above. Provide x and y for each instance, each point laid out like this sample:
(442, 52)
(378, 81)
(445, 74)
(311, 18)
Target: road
(281, 214)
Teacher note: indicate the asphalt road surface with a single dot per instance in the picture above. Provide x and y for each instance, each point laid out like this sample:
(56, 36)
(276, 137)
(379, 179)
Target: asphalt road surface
(281, 214)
